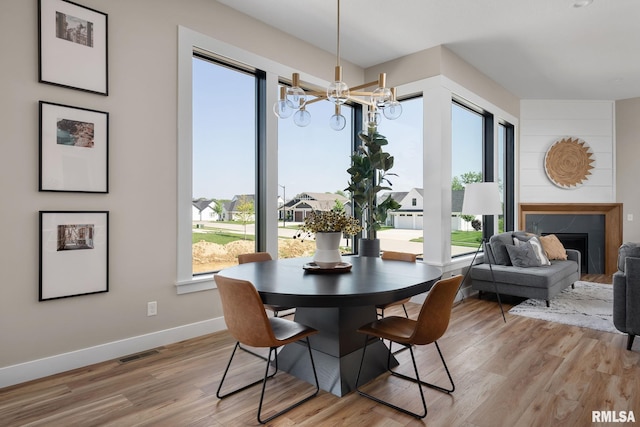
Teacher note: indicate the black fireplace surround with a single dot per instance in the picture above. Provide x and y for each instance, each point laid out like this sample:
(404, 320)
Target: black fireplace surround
(585, 233)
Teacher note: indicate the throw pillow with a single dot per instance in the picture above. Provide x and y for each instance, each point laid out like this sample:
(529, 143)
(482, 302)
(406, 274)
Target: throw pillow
(518, 239)
(553, 247)
(523, 255)
(497, 243)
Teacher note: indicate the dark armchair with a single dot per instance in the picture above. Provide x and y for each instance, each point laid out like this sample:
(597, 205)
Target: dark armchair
(626, 291)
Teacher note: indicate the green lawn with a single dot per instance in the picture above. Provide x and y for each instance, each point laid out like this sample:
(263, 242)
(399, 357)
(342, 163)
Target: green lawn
(221, 237)
(469, 239)
(466, 238)
(216, 235)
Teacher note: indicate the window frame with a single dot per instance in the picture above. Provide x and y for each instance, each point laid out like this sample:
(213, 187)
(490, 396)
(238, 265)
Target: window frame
(267, 163)
(259, 77)
(490, 163)
(190, 41)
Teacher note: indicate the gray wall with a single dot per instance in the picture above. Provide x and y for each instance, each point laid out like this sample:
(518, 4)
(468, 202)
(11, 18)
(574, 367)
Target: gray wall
(628, 165)
(142, 189)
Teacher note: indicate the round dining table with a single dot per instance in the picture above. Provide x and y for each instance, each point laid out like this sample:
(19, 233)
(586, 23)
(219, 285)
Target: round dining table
(336, 304)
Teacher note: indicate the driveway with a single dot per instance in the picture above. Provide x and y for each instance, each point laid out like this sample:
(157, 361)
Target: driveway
(393, 239)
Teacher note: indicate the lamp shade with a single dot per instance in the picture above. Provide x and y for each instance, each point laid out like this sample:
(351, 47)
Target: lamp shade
(481, 198)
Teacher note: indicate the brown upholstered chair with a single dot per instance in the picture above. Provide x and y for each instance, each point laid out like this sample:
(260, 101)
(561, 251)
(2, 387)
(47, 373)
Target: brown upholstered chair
(431, 324)
(260, 257)
(397, 256)
(248, 324)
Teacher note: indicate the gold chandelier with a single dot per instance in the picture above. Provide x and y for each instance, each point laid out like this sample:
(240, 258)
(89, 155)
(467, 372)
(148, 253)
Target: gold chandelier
(294, 99)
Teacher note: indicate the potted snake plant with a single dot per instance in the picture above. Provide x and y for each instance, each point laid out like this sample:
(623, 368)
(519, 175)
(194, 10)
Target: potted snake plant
(369, 173)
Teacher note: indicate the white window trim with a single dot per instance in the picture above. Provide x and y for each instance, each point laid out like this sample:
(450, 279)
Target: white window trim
(188, 41)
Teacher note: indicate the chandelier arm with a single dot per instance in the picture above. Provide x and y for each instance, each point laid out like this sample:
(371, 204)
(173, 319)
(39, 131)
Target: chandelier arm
(322, 97)
(365, 85)
(315, 93)
(365, 93)
(311, 89)
(361, 101)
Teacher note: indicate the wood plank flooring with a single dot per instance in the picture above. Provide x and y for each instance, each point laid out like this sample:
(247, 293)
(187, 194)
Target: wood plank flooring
(525, 372)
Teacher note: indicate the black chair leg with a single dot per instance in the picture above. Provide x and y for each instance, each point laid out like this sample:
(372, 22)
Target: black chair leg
(389, 404)
(405, 311)
(424, 383)
(298, 403)
(233, 353)
(630, 341)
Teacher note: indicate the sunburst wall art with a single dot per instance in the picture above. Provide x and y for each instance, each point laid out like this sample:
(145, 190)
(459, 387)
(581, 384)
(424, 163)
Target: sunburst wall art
(568, 162)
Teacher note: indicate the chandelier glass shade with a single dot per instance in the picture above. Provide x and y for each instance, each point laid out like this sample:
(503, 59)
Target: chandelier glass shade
(294, 99)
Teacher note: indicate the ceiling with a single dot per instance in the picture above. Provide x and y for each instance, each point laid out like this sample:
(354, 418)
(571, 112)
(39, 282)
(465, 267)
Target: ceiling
(536, 49)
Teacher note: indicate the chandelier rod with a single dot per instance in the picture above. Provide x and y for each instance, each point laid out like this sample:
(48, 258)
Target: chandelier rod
(338, 37)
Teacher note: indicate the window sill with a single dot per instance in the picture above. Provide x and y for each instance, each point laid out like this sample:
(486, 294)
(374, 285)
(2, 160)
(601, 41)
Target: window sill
(196, 284)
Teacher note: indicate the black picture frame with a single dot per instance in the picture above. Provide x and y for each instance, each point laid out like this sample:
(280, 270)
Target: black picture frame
(73, 46)
(74, 253)
(73, 149)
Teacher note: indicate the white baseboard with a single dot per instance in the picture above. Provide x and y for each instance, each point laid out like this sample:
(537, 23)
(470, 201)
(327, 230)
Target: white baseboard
(22, 372)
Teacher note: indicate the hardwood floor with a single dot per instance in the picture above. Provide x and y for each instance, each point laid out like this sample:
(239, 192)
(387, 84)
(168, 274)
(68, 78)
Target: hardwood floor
(525, 372)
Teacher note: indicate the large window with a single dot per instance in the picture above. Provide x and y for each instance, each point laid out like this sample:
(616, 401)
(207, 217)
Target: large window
(232, 148)
(224, 164)
(473, 160)
(312, 174)
(467, 148)
(405, 135)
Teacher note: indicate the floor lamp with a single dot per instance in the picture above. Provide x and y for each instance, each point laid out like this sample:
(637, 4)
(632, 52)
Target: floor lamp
(483, 198)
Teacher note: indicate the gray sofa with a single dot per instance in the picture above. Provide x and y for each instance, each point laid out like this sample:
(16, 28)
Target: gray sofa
(543, 282)
(626, 291)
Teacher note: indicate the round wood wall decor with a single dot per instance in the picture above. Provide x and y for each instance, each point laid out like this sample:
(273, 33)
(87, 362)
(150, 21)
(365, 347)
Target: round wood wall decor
(568, 162)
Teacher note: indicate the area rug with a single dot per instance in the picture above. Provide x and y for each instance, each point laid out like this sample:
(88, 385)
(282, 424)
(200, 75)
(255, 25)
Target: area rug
(589, 305)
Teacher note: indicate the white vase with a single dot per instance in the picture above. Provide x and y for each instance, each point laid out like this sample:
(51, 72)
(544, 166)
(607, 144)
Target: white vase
(328, 250)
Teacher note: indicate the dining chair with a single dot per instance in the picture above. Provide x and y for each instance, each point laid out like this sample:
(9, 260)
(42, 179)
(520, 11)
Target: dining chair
(261, 257)
(430, 326)
(396, 256)
(249, 324)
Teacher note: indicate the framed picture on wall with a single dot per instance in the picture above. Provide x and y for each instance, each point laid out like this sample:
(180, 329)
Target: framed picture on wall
(72, 46)
(74, 253)
(74, 149)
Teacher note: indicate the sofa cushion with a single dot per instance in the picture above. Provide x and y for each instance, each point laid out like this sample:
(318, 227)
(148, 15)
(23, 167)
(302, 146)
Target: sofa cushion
(538, 277)
(625, 250)
(553, 247)
(519, 237)
(497, 242)
(523, 255)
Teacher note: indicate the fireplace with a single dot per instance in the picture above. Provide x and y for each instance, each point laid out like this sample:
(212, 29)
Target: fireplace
(579, 242)
(602, 222)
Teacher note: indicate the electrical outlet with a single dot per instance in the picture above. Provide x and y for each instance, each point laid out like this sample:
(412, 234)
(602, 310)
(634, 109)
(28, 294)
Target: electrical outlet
(152, 308)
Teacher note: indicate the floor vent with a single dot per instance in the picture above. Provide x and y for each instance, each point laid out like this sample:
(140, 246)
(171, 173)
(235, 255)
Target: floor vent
(138, 356)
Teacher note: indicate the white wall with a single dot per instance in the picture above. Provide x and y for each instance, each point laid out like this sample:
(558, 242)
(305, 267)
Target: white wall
(543, 122)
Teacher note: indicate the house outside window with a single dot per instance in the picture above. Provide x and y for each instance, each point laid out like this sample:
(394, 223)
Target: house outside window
(224, 164)
(312, 175)
(404, 227)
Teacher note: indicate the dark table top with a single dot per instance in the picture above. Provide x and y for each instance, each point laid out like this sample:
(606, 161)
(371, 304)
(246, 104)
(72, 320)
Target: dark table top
(371, 281)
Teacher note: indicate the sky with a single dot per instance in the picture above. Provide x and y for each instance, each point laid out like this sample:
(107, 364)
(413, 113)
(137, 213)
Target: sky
(311, 159)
